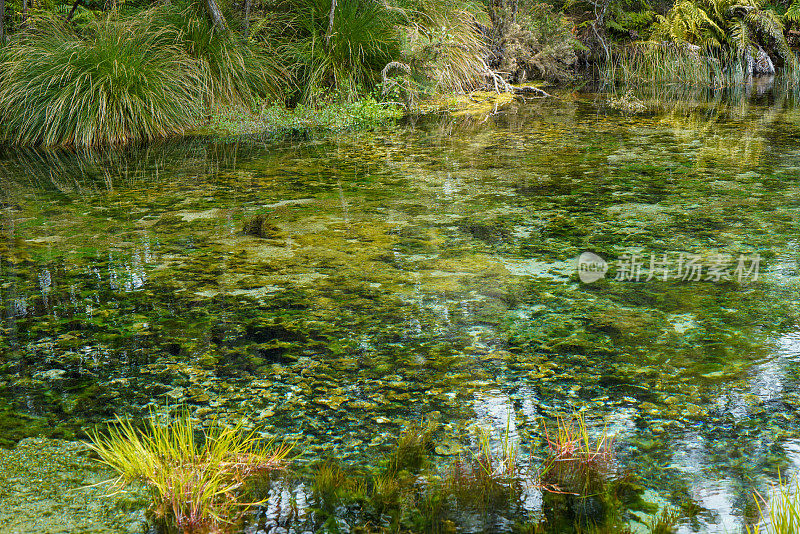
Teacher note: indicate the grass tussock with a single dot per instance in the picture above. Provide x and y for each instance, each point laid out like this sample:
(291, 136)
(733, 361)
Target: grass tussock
(117, 82)
(118, 79)
(232, 72)
(577, 462)
(194, 484)
(780, 513)
(342, 62)
(442, 46)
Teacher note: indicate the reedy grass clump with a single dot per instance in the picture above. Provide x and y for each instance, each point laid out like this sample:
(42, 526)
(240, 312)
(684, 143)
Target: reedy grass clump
(195, 486)
(487, 480)
(576, 462)
(231, 71)
(345, 62)
(666, 63)
(115, 83)
(780, 513)
(665, 522)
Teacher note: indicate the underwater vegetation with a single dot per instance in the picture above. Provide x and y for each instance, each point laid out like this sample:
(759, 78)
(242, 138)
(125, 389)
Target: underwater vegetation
(213, 483)
(195, 484)
(177, 307)
(488, 484)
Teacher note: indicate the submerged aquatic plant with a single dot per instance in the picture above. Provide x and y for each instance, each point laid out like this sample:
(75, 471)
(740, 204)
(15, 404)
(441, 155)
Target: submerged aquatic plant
(412, 448)
(117, 82)
(194, 485)
(665, 521)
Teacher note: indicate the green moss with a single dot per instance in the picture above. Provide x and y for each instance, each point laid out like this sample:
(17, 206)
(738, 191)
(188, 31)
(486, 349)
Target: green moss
(277, 120)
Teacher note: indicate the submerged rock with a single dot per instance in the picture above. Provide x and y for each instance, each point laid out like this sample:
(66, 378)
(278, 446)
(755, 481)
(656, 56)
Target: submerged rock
(759, 64)
(259, 226)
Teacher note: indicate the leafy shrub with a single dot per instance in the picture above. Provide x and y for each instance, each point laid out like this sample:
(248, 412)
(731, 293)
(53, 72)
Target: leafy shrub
(742, 27)
(538, 43)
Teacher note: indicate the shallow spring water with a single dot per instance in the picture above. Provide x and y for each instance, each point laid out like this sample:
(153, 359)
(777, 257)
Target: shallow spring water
(428, 271)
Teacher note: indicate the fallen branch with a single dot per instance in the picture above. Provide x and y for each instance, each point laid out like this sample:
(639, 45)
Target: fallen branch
(496, 78)
(529, 90)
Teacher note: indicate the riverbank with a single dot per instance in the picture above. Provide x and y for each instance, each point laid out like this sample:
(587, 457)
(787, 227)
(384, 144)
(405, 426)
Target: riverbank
(278, 120)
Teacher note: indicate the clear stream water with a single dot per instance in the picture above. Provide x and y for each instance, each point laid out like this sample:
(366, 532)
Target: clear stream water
(428, 270)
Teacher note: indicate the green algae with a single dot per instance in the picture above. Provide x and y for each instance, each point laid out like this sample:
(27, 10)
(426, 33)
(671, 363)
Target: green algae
(420, 270)
(53, 486)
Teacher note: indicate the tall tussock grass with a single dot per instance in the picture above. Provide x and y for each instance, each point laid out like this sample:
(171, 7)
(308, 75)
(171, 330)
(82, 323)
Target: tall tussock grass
(443, 45)
(195, 484)
(232, 71)
(117, 82)
(122, 79)
(342, 59)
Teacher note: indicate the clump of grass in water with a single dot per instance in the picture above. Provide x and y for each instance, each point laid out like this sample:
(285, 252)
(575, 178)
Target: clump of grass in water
(576, 462)
(662, 63)
(412, 449)
(487, 480)
(665, 522)
(195, 487)
(781, 512)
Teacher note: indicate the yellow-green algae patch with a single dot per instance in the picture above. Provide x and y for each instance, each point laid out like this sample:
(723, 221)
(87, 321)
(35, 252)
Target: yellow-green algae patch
(56, 487)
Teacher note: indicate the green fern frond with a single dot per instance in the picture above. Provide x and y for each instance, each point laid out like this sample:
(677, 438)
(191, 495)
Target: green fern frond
(793, 13)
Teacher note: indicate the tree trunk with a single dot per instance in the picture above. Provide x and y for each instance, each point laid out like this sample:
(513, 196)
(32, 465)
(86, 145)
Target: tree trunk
(72, 11)
(503, 11)
(247, 4)
(2, 21)
(216, 14)
(329, 33)
(24, 12)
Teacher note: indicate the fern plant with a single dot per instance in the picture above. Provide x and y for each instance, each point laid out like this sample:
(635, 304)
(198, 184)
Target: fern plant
(744, 27)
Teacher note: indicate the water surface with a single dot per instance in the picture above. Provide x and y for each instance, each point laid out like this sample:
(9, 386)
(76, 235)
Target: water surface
(427, 270)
